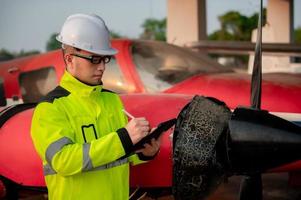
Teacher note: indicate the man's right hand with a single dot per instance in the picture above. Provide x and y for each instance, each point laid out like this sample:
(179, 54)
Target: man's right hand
(137, 128)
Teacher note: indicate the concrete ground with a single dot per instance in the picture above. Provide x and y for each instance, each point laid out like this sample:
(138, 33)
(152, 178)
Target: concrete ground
(275, 187)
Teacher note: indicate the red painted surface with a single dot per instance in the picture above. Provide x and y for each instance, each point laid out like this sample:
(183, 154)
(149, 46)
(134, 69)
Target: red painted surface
(19, 161)
(156, 108)
(280, 92)
(18, 158)
(2, 190)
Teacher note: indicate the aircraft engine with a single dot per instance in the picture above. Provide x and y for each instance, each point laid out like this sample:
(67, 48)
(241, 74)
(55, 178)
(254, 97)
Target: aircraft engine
(199, 144)
(210, 144)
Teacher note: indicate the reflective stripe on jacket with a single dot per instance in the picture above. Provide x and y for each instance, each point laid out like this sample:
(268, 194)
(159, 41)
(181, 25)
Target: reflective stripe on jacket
(74, 132)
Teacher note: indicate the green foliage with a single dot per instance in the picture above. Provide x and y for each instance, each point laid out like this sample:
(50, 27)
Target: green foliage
(23, 53)
(115, 35)
(235, 26)
(221, 35)
(7, 55)
(297, 33)
(154, 29)
(52, 43)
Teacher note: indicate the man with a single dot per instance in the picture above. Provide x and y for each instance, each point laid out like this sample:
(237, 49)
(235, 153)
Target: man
(79, 129)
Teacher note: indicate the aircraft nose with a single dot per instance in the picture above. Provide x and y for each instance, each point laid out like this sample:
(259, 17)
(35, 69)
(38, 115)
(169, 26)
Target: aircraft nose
(198, 139)
(261, 141)
(210, 144)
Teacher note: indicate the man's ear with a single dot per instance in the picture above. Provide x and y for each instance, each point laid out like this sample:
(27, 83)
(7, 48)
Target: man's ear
(68, 58)
(68, 62)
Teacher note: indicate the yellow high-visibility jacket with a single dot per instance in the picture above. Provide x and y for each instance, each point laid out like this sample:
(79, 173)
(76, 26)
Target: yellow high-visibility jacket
(78, 132)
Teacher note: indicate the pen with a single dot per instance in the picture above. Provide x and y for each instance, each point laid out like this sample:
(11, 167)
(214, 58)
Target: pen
(128, 114)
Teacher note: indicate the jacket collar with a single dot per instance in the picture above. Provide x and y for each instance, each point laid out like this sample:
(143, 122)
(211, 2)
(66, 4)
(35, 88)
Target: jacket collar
(75, 86)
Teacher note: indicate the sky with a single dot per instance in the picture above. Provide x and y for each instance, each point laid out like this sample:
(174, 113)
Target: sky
(28, 24)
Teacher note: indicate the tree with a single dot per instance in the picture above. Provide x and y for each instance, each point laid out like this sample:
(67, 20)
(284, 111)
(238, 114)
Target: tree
(23, 53)
(298, 35)
(114, 34)
(154, 29)
(235, 26)
(52, 43)
(6, 55)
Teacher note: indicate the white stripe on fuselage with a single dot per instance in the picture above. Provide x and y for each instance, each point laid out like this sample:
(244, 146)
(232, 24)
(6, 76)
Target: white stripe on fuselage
(294, 117)
(10, 102)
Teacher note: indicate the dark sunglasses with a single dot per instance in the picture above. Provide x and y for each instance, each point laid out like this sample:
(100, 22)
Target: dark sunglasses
(94, 59)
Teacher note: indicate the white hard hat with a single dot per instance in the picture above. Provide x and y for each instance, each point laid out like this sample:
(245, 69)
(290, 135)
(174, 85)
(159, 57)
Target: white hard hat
(86, 32)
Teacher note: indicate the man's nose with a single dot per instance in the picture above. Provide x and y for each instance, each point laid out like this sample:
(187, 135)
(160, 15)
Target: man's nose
(101, 66)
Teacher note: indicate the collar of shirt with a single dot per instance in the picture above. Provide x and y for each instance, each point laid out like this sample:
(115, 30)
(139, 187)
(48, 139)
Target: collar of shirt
(75, 86)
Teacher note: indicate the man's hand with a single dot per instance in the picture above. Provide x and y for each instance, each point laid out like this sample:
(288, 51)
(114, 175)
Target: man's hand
(150, 150)
(137, 129)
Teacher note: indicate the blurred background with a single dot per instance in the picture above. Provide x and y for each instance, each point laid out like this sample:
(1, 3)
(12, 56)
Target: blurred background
(29, 27)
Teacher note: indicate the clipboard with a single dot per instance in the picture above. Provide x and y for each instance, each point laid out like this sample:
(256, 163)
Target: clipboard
(161, 128)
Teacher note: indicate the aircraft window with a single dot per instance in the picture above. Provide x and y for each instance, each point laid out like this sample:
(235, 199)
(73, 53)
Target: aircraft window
(2, 94)
(113, 78)
(161, 65)
(36, 84)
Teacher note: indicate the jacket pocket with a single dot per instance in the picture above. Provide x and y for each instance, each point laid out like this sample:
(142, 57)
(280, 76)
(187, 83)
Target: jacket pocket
(89, 132)
(86, 129)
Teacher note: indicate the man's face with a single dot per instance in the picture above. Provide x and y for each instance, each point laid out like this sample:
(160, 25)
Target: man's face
(83, 69)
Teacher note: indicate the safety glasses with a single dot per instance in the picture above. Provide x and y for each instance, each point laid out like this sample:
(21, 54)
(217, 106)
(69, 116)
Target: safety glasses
(94, 59)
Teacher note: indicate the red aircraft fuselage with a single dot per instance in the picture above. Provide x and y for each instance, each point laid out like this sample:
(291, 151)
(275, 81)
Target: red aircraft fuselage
(281, 94)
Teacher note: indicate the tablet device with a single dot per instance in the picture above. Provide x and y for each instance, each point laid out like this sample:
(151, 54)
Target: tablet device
(162, 127)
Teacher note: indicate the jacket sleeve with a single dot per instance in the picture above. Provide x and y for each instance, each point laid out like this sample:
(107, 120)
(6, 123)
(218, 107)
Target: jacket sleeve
(53, 138)
(133, 159)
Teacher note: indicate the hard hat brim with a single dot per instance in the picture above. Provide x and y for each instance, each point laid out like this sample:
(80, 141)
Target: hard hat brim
(109, 51)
